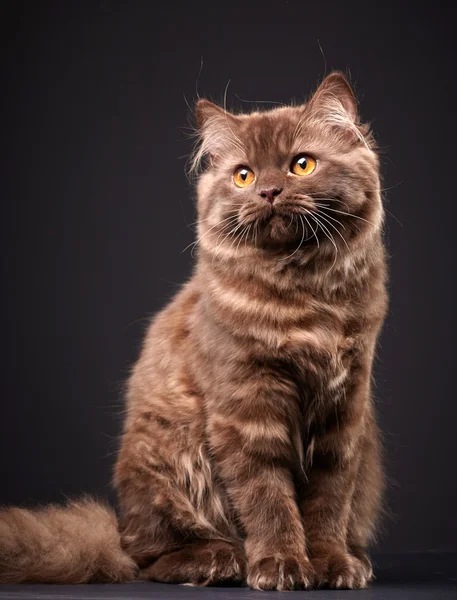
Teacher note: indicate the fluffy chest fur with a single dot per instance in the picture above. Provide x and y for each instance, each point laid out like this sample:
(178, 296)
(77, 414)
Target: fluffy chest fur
(249, 452)
(250, 416)
(290, 318)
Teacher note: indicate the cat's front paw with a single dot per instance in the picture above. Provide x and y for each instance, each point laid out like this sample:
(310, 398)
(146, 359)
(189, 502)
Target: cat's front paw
(281, 573)
(341, 571)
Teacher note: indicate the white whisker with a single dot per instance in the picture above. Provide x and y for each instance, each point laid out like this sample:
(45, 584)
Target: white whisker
(247, 234)
(336, 229)
(301, 241)
(231, 232)
(329, 216)
(320, 199)
(193, 244)
(241, 238)
(239, 143)
(328, 234)
(347, 214)
(312, 229)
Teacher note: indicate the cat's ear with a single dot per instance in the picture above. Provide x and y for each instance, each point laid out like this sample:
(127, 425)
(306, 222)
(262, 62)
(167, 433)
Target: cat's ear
(333, 91)
(210, 115)
(334, 104)
(216, 129)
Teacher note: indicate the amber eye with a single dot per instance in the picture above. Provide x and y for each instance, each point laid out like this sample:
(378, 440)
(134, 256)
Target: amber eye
(303, 165)
(243, 177)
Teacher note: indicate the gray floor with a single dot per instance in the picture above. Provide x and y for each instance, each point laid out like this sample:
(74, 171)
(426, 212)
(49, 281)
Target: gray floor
(405, 577)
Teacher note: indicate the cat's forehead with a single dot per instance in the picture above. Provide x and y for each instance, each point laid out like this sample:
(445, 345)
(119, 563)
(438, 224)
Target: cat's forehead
(270, 135)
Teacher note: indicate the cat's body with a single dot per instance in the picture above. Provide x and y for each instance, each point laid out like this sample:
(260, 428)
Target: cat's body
(250, 449)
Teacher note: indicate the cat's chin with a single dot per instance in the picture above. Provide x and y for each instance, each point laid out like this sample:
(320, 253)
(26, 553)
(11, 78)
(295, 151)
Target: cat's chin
(281, 230)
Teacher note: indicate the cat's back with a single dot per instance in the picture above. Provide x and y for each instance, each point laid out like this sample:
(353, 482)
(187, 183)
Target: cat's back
(171, 326)
(161, 376)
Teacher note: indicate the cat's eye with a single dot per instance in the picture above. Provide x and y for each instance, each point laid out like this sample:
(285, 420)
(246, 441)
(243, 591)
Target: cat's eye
(303, 164)
(243, 177)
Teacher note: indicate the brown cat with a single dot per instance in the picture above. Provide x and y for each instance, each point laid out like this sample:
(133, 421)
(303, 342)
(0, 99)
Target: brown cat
(250, 449)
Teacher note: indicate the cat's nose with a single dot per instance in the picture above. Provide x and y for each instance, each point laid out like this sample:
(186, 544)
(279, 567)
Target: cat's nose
(270, 194)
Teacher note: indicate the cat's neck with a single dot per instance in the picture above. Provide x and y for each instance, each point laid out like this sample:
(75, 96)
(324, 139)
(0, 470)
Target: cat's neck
(319, 272)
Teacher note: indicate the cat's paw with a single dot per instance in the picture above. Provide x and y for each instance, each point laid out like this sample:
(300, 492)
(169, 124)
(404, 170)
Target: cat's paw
(281, 573)
(360, 553)
(205, 563)
(342, 571)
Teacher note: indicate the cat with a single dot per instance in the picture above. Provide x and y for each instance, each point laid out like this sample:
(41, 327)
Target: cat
(250, 452)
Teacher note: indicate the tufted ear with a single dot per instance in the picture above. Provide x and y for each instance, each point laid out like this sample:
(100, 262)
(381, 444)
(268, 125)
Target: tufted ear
(217, 129)
(208, 113)
(335, 93)
(335, 107)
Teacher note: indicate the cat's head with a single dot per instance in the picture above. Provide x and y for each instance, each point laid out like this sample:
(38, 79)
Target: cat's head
(293, 177)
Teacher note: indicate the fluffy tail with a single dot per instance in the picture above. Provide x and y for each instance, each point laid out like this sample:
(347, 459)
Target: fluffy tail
(75, 543)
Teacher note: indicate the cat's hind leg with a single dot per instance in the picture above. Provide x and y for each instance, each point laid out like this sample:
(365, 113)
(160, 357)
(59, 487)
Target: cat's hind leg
(174, 522)
(202, 562)
(366, 500)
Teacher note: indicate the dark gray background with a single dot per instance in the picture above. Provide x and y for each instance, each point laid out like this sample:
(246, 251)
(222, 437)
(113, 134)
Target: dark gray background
(96, 212)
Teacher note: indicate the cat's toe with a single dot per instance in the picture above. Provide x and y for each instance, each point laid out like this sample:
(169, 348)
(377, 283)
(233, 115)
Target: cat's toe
(281, 573)
(341, 571)
(211, 563)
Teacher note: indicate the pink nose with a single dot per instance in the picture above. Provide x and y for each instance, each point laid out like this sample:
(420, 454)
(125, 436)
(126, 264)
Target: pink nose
(270, 194)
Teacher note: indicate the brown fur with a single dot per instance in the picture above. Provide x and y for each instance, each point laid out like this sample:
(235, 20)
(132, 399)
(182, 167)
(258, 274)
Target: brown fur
(250, 449)
(71, 544)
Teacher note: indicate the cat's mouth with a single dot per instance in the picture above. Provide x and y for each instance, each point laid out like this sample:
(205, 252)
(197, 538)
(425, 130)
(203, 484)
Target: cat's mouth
(281, 224)
(284, 227)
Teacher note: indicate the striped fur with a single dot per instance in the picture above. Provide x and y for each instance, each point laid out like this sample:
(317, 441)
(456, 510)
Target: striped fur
(250, 449)
(263, 361)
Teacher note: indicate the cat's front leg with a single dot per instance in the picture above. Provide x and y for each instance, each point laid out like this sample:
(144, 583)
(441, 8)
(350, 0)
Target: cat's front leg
(325, 513)
(253, 457)
(327, 505)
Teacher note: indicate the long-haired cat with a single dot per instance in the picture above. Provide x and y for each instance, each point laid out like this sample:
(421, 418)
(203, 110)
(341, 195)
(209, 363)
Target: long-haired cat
(250, 450)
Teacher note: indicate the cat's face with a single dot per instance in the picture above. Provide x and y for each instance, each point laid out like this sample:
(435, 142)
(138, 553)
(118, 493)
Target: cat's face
(289, 177)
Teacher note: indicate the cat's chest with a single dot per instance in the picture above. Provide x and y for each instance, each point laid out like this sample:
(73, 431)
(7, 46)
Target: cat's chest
(280, 324)
(318, 349)
(315, 335)
(318, 370)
